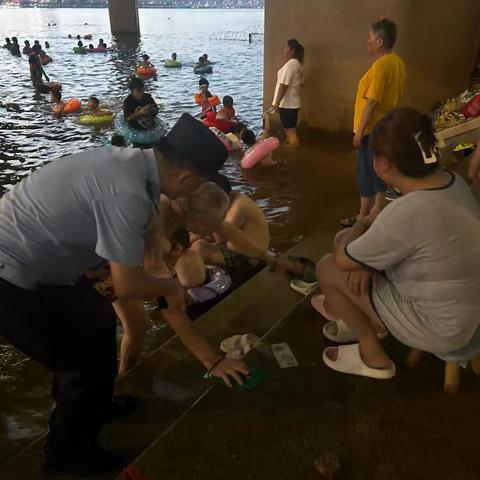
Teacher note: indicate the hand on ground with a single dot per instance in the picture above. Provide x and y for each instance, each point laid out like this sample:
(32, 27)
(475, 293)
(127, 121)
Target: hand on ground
(231, 368)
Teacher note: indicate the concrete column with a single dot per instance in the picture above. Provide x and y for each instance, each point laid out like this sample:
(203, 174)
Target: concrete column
(124, 16)
(437, 41)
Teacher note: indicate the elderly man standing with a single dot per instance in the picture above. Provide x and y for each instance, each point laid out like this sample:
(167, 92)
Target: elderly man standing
(380, 90)
(74, 215)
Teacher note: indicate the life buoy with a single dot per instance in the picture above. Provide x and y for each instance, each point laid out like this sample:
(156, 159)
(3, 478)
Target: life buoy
(224, 126)
(259, 151)
(146, 71)
(201, 69)
(172, 64)
(219, 282)
(140, 137)
(96, 119)
(80, 50)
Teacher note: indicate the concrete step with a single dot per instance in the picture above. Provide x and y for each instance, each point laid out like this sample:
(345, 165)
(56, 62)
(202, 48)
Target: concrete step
(170, 381)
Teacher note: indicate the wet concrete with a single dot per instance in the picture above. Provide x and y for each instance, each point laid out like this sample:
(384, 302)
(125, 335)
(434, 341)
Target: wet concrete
(405, 428)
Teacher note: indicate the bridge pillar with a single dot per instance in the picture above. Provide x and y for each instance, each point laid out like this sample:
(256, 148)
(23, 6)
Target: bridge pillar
(124, 17)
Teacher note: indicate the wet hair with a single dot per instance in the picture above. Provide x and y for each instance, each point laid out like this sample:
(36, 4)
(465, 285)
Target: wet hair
(205, 56)
(386, 30)
(47, 45)
(94, 100)
(404, 136)
(78, 37)
(90, 47)
(174, 56)
(37, 48)
(298, 50)
(201, 60)
(36, 42)
(80, 44)
(135, 83)
(56, 95)
(69, 36)
(249, 138)
(27, 43)
(104, 45)
(223, 182)
(227, 101)
(118, 141)
(203, 81)
(100, 40)
(14, 39)
(145, 56)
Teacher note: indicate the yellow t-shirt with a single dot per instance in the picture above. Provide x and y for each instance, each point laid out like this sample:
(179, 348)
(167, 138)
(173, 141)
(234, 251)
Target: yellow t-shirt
(384, 82)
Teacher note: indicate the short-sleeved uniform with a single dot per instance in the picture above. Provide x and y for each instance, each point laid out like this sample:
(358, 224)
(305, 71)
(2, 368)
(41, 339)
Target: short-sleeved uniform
(428, 245)
(66, 218)
(291, 74)
(385, 83)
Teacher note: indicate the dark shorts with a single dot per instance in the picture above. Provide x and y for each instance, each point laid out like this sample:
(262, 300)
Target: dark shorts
(368, 181)
(238, 262)
(289, 117)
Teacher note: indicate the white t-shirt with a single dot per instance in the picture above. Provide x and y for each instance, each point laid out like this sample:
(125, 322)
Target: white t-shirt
(290, 74)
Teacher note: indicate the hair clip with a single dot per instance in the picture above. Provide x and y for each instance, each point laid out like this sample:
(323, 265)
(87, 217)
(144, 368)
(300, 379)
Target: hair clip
(434, 153)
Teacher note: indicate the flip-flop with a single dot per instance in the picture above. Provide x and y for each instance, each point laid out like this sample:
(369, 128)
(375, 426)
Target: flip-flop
(348, 222)
(318, 303)
(350, 361)
(303, 287)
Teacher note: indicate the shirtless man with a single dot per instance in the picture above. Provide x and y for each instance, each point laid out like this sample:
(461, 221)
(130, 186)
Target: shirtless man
(240, 243)
(202, 213)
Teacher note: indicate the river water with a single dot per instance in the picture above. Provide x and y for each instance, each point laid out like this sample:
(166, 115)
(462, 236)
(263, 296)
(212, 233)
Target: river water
(303, 192)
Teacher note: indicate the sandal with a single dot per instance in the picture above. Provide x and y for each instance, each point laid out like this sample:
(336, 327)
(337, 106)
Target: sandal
(338, 331)
(350, 361)
(303, 287)
(308, 275)
(318, 303)
(348, 222)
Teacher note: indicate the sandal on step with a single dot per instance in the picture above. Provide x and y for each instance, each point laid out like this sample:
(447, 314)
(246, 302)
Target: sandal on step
(303, 287)
(350, 361)
(308, 275)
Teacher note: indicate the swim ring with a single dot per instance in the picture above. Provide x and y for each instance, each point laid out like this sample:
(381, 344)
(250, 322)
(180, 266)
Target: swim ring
(224, 126)
(71, 105)
(146, 71)
(201, 69)
(80, 50)
(96, 119)
(46, 60)
(88, 36)
(172, 64)
(219, 282)
(141, 137)
(259, 151)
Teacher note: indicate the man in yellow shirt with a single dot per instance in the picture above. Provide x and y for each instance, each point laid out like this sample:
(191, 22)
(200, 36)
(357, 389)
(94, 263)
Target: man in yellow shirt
(380, 90)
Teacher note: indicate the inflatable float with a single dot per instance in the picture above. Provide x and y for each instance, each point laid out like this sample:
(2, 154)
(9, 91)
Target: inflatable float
(224, 126)
(219, 282)
(140, 137)
(259, 151)
(202, 69)
(46, 60)
(172, 64)
(80, 50)
(96, 119)
(146, 71)
(71, 105)
(229, 142)
(88, 36)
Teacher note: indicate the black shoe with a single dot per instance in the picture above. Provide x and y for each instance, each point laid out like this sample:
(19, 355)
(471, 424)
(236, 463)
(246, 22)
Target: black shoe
(94, 462)
(121, 406)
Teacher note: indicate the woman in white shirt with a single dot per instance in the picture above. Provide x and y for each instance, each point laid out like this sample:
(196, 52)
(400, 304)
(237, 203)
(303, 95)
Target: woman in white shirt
(286, 99)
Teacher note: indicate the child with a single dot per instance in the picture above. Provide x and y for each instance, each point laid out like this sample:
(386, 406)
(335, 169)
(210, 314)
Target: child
(174, 57)
(201, 61)
(145, 61)
(227, 109)
(57, 104)
(247, 136)
(203, 95)
(206, 61)
(93, 108)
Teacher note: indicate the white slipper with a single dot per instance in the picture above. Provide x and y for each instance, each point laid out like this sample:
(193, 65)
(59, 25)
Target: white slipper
(237, 346)
(350, 361)
(302, 287)
(339, 332)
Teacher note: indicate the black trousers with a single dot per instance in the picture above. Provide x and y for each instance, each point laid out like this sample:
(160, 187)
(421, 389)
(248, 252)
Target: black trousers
(70, 330)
